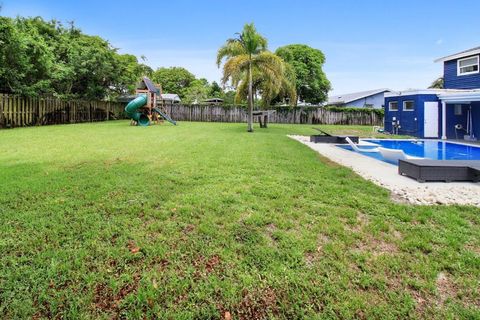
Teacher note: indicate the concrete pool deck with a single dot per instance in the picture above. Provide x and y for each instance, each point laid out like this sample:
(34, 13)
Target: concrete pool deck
(402, 189)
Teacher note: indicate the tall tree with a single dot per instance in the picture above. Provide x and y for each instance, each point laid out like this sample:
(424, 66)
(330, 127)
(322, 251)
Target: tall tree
(245, 56)
(197, 91)
(45, 57)
(215, 90)
(311, 82)
(174, 80)
(437, 84)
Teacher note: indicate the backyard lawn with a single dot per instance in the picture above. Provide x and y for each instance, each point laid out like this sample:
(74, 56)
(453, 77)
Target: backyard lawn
(204, 220)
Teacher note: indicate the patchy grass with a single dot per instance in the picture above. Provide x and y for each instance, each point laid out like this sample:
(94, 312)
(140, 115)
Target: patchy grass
(205, 220)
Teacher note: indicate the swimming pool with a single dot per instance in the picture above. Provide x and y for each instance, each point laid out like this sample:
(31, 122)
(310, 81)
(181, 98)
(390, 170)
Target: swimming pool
(430, 149)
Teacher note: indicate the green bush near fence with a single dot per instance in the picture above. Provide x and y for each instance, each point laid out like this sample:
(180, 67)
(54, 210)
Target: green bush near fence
(379, 112)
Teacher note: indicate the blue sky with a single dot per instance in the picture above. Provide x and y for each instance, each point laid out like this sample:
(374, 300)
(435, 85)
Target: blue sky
(368, 44)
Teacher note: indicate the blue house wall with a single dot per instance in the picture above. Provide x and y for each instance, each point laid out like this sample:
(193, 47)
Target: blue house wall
(411, 122)
(376, 101)
(453, 81)
(476, 119)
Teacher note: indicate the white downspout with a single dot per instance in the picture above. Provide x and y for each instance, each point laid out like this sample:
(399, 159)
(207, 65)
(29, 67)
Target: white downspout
(444, 120)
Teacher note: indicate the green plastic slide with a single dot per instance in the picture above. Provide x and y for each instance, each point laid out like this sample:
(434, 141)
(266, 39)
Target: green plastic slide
(132, 110)
(165, 116)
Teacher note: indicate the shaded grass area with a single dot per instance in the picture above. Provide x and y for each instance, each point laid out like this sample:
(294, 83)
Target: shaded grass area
(110, 221)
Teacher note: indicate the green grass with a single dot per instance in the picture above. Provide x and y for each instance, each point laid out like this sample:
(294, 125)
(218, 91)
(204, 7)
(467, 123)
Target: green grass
(106, 220)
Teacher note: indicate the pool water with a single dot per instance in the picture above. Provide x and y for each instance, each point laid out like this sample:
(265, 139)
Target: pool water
(430, 149)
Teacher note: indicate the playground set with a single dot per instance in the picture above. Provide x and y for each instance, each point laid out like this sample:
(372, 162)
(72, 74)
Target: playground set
(143, 110)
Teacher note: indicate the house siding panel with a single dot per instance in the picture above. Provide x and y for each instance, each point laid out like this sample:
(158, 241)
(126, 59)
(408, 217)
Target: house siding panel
(411, 122)
(453, 81)
(375, 100)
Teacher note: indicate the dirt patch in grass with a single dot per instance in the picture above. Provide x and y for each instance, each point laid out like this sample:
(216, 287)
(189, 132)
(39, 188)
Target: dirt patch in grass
(362, 220)
(376, 246)
(311, 257)
(445, 288)
(106, 300)
(204, 266)
(132, 247)
(473, 248)
(189, 228)
(258, 304)
(270, 230)
(397, 234)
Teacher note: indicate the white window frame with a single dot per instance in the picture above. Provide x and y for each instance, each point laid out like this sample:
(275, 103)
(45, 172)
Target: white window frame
(471, 72)
(404, 102)
(390, 106)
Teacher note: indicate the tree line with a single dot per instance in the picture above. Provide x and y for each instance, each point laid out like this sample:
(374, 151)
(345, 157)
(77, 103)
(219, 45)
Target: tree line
(40, 57)
(52, 58)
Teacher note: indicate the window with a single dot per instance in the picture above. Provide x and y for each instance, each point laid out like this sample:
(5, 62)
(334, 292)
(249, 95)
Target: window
(467, 66)
(393, 106)
(458, 109)
(408, 105)
(368, 105)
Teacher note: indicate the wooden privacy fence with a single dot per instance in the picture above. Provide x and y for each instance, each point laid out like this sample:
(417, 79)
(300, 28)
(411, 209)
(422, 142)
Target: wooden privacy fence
(16, 111)
(302, 115)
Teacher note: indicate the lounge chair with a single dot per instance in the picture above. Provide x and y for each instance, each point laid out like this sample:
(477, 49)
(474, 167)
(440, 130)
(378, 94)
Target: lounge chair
(328, 138)
(394, 155)
(357, 149)
(440, 170)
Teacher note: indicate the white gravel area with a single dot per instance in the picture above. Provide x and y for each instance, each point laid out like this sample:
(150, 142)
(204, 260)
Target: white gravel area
(403, 189)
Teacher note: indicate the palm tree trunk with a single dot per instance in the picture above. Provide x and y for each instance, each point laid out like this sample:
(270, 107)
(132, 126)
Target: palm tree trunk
(250, 97)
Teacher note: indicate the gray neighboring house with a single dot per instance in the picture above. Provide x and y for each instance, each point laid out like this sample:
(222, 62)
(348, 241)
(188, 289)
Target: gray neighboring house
(364, 99)
(169, 99)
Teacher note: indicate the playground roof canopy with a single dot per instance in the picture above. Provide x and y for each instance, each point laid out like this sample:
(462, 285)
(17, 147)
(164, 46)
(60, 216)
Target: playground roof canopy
(146, 83)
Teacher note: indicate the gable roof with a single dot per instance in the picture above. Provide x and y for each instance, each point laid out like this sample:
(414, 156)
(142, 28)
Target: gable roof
(347, 98)
(214, 100)
(170, 97)
(461, 54)
(146, 83)
(150, 85)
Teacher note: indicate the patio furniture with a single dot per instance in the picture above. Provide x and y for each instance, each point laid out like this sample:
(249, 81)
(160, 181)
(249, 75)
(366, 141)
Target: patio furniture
(357, 149)
(394, 155)
(328, 138)
(440, 170)
(263, 116)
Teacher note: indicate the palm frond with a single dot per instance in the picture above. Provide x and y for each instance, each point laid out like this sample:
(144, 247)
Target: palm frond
(231, 48)
(234, 69)
(271, 75)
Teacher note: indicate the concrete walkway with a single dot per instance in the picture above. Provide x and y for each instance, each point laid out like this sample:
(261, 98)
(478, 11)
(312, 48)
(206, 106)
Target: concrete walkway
(403, 189)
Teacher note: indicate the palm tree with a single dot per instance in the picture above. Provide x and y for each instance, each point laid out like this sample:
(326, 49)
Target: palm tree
(270, 87)
(247, 58)
(437, 84)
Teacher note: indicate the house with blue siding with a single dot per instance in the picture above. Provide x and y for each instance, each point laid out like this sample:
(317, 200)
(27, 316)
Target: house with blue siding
(364, 99)
(449, 113)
